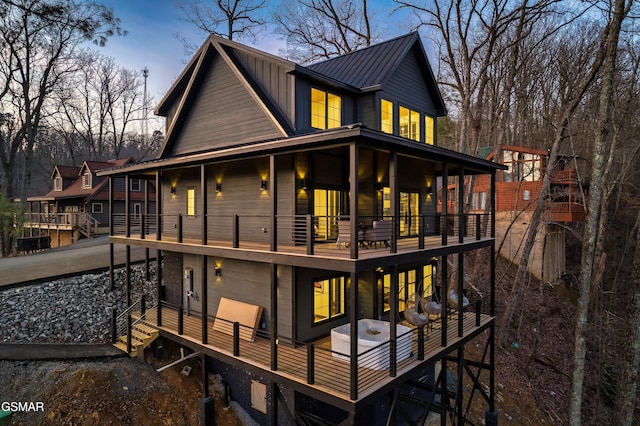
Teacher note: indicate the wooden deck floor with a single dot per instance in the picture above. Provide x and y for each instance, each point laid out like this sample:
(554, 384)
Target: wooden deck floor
(331, 374)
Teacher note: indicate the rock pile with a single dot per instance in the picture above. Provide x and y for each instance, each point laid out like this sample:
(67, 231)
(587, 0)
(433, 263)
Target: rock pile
(76, 309)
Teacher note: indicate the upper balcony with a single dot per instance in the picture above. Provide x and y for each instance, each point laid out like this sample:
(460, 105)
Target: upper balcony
(322, 237)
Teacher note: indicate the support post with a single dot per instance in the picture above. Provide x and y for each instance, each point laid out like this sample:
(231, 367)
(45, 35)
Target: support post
(114, 325)
(204, 298)
(159, 286)
(395, 200)
(180, 320)
(236, 231)
(273, 195)
(353, 200)
(236, 338)
(310, 364)
(353, 339)
(274, 317)
(309, 227)
(393, 311)
(444, 217)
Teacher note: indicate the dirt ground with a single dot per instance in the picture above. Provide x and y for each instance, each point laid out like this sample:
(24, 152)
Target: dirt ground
(532, 378)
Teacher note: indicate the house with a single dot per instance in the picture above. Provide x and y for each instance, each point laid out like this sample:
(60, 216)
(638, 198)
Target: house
(79, 205)
(517, 190)
(298, 232)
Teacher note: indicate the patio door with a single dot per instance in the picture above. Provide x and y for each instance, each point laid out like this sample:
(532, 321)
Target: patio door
(409, 208)
(326, 210)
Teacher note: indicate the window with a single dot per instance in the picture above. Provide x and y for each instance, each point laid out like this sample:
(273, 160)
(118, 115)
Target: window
(409, 124)
(429, 135)
(386, 116)
(328, 298)
(135, 185)
(326, 110)
(326, 210)
(86, 180)
(137, 209)
(408, 284)
(96, 208)
(57, 183)
(191, 201)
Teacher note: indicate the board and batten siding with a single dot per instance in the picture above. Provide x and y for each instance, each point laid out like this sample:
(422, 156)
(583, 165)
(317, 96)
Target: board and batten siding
(222, 113)
(407, 87)
(275, 79)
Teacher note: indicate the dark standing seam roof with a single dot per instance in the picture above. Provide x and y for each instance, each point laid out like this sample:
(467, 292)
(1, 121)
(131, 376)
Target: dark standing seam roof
(367, 67)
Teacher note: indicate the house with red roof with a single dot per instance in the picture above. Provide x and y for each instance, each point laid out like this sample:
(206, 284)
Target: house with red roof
(78, 204)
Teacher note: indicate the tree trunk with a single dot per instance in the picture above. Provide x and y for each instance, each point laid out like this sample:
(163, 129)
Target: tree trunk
(628, 377)
(594, 209)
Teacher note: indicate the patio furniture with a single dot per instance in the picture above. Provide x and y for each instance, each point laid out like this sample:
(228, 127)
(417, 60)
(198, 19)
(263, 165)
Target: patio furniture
(344, 234)
(380, 232)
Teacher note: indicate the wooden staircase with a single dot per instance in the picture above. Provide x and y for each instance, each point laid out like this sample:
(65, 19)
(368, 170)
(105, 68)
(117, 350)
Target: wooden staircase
(142, 334)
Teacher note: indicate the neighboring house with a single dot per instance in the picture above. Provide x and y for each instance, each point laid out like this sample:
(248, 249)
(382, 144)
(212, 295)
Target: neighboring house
(517, 191)
(296, 221)
(78, 206)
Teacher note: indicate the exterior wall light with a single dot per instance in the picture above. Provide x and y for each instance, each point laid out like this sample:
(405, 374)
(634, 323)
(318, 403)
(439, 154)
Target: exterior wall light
(173, 190)
(263, 185)
(218, 187)
(218, 271)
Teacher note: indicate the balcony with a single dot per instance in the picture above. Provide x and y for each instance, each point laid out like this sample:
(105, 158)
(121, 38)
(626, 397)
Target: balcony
(63, 222)
(314, 364)
(304, 234)
(565, 212)
(566, 177)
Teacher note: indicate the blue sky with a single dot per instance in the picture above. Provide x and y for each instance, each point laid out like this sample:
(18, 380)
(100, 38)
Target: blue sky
(151, 40)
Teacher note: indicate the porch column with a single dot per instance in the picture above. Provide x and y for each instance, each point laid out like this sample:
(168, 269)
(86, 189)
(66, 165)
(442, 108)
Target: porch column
(443, 298)
(274, 316)
(462, 218)
(142, 224)
(353, 199)
(204, 297)
(203, 190)
(353, 342)
(493, 204)
(395, 199)
(159, 285)
(111, 248)
(273, 194)
(127, 222)
(393, 313)
(460, 292)
(445, 203)
(158, 208)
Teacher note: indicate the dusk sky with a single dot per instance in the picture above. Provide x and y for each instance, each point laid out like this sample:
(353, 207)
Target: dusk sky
(151, 41)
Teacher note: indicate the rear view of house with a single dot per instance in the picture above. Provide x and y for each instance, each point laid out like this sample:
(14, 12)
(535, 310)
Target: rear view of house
(302, 250)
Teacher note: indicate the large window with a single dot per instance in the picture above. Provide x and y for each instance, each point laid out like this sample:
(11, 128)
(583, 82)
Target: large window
(408, 284)
(386, 116)
(326, 110)
(409, 124)
(326, 210)
(429, 131)
(522, 166)
(191, 201)
(328, 298)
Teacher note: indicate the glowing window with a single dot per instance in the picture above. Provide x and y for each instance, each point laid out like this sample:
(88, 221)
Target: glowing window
(409, 124)
(386, 116)
(429, 135)
(191, 201)
(326, 110)
(328, 299)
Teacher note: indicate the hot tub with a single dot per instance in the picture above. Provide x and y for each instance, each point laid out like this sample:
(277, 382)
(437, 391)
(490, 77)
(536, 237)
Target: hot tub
(371, 334)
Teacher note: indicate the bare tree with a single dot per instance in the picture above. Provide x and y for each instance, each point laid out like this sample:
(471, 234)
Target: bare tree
(233, 19)
(321, 29)
(38, 40)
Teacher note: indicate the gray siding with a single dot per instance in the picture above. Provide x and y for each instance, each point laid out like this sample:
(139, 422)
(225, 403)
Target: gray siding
(408, 86)
(274, 79)
(222, 113)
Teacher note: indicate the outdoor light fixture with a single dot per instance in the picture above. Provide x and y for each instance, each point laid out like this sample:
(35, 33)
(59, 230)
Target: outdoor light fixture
(380, 187)
(173, 190)
(304, 183)
(218, 187)
(263, 185)
(218, 271)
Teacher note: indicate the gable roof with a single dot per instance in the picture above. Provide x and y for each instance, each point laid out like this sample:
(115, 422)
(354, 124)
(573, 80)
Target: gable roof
(66, 172)
(369, 68)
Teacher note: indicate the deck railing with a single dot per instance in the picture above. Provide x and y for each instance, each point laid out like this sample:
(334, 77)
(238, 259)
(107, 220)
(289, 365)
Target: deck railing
(316, 363)
(296, 233)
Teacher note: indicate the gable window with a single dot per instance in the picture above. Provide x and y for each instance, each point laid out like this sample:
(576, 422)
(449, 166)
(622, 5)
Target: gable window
(328, 298)
(191, 201)
(429, 134)
(96, 208)
(409, 124)
(86, 180)
(386, 116)
(326, 109)
(57, 183)
(135, 185)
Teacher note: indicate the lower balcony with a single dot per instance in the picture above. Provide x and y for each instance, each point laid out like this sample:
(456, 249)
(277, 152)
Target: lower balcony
(317, 366)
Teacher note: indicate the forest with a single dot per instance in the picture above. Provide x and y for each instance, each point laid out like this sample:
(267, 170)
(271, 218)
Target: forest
(548, 74)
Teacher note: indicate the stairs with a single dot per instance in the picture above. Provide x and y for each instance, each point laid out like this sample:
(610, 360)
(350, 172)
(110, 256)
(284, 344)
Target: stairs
(142, 334)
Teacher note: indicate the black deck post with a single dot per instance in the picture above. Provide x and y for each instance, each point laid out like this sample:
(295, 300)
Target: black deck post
(309, 222)
(443, 300)
(236, 338)
(180, 321)
(478, 228)
(159, 287)
(179, 225)
(421, 343)
(310, 363)
(444, 219)
(236, 231)
(114, 326)
(143, 305)
(129, 333)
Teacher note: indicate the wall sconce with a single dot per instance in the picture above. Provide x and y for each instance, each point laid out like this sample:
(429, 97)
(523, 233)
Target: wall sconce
(218, 187)
(429, 191)
(379, 186)
(173, 190)
(304, 183)
(218, 271)
(263, 185)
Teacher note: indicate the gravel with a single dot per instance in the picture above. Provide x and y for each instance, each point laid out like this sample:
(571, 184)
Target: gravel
(70, 310)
